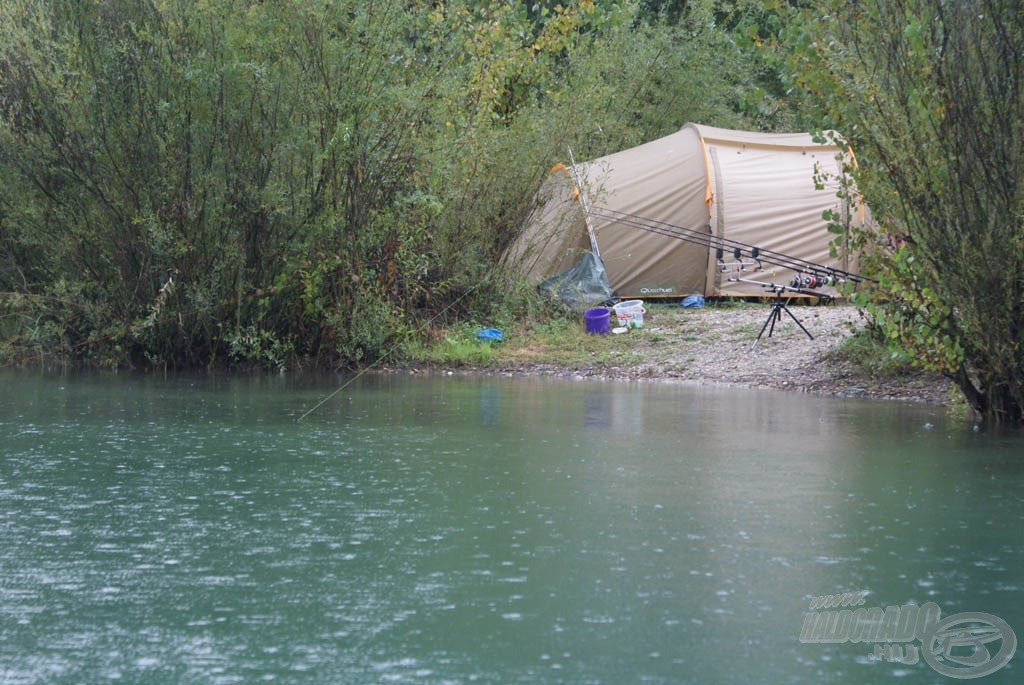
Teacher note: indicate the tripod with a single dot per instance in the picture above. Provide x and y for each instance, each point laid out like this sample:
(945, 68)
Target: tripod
(775, 314)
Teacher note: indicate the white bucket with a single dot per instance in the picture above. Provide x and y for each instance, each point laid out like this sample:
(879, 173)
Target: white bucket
(630, 313)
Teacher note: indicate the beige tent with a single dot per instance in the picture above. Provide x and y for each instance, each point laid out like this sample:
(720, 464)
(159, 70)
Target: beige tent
(763, 190)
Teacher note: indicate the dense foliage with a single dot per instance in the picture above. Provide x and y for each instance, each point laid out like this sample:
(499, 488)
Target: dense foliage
(931, 94)
(194, 182)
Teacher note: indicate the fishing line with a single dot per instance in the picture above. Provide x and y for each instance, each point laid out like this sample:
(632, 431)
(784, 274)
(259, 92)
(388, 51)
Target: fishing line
(723, 245)
(352, 380)
(820, 274)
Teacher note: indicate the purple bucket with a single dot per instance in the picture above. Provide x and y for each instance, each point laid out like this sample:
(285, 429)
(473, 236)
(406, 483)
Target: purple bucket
(598, 321)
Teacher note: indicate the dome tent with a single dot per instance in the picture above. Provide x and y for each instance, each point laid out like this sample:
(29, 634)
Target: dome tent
(768, 190)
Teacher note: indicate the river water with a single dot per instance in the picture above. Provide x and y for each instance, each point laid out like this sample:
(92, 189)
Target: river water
(453, 530)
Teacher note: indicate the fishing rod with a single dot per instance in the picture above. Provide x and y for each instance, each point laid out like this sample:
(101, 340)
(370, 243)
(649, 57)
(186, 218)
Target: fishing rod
(586, 205)
(814, 275)
(780, 288)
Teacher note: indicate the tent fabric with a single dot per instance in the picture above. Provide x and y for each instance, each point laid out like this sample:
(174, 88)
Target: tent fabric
(768, 190)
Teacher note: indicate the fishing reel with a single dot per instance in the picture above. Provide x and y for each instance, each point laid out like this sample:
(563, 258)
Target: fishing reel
(813, 281)
(778, 289)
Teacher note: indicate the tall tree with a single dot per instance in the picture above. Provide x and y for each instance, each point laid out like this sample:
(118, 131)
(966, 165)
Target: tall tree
(189, 182)
(931, 93)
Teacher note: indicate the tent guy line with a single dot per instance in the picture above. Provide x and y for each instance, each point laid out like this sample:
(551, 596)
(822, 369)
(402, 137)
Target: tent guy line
(723, 245)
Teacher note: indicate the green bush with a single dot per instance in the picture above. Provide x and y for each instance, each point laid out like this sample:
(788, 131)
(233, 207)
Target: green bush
(190, 184)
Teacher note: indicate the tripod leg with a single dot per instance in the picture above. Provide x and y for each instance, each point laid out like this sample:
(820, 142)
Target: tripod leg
(776, 316)
(773, 316)
(798, 322)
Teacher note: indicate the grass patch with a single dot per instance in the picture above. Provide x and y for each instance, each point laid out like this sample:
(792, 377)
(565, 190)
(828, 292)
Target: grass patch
(746, 330)
(561, 340)
(564, 341)
(456, 346)
(868, 355)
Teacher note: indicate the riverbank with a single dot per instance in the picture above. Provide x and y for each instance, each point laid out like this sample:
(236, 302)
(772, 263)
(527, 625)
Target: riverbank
(719, 345)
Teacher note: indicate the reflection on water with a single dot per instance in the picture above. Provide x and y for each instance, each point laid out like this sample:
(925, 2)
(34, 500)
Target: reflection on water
(495, 530)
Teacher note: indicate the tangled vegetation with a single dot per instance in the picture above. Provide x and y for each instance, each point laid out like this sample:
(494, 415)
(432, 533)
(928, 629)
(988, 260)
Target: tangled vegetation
(190, 184)
(931, 95)
(198, 183)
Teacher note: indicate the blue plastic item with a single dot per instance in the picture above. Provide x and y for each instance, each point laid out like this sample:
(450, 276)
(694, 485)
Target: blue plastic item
(489, 335)
(596, 321)
(692, 302)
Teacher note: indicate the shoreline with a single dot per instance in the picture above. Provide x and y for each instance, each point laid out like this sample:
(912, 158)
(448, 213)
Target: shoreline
(719, 346)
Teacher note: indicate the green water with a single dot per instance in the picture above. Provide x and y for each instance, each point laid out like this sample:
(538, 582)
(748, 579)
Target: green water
(448, 530)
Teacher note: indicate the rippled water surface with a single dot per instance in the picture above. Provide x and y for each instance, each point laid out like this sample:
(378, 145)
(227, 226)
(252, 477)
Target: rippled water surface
(448, 530)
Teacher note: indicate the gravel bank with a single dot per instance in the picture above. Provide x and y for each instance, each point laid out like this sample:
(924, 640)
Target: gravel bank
(716, 346)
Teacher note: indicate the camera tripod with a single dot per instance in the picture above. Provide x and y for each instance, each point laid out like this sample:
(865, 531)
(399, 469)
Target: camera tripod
(775, 314)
